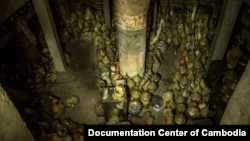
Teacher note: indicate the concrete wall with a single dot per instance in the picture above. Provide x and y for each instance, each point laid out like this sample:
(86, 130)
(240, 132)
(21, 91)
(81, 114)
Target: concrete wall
(226, 23)
(8, 7)
(12, 126)
(46, 20)
(237, 110)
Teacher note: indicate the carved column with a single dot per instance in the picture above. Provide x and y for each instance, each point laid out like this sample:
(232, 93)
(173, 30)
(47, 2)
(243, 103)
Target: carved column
(131, 20)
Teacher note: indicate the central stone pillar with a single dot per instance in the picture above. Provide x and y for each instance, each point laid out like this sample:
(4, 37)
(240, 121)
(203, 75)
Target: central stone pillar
(130, 22)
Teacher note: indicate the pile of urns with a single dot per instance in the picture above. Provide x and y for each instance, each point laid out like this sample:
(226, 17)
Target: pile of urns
(187, 97)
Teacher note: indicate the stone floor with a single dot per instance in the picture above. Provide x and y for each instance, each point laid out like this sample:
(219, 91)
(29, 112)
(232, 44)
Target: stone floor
(79, 80)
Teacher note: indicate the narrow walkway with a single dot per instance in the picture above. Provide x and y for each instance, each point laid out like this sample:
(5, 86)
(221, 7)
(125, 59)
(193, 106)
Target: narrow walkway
(79, 80)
